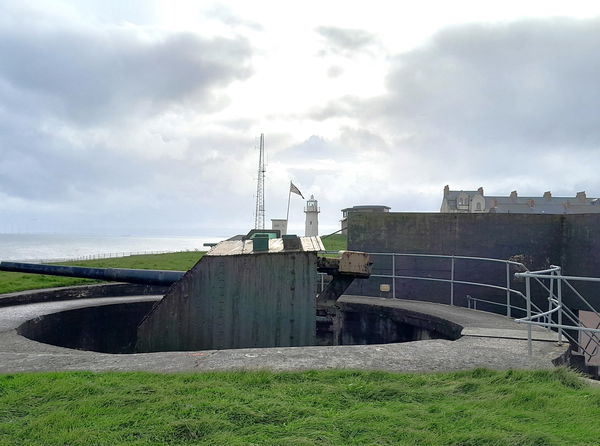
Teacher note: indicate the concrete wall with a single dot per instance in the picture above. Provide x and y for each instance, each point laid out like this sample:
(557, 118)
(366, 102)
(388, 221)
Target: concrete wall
(102, 328)
(373, 323)
(572, 241)
(581, 250)
(236, 301)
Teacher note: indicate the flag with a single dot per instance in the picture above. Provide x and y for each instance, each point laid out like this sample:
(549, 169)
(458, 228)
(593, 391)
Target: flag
(295, 190)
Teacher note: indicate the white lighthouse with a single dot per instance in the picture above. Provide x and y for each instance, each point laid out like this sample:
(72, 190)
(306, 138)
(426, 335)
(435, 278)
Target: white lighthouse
(312, 217)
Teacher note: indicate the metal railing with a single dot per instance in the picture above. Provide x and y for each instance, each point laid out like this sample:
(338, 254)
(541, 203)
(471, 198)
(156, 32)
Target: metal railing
(558, 313)
(452, 281)
(549, 280)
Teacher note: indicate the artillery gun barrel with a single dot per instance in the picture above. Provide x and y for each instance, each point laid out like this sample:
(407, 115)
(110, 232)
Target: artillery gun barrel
(139, 276)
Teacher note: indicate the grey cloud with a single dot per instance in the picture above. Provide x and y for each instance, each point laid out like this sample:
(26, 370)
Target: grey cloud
(345, 106)
(347, 41)
(68, 95)
(39, 165)
(334, 71)
(313, 149)
(534, 82)
(513, 105)
(96, 76)
(36, 165)
(101, 187)
(362, 139)
(227, 16)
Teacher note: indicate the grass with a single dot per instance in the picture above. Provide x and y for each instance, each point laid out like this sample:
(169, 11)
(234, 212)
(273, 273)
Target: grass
(179, 261)
(480, 408)
(335, 242)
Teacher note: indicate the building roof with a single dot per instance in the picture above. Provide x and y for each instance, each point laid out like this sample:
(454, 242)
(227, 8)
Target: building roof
(541, 205)
(237, 247)
(546, 204)
(366, 207)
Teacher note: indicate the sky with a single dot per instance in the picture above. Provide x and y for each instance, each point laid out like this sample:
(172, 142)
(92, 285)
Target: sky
(142, 117)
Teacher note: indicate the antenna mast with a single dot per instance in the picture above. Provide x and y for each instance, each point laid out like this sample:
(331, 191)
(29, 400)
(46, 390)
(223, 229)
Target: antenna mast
(259, 216)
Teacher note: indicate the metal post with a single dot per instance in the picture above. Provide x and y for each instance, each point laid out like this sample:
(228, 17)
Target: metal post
(508, 289)
(559, 292)
(528, 295)
(550, 296)
(394, 276)
(452, 282)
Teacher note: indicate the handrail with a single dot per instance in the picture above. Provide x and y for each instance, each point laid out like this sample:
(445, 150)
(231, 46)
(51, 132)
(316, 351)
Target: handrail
(534, 314)
(445, 256)
(554, 274)
(552, 269)
(537, 316)
(452, 281)
(577, 278)
(490, 302)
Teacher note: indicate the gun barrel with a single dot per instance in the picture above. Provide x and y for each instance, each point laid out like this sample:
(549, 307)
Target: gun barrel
(140, 276)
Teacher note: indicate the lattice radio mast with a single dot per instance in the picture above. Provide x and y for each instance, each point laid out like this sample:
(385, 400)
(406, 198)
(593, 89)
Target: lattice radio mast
(259, 216)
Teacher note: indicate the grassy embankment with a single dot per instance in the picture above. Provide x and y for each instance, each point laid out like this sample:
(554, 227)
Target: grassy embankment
(304, 408)
(335, 242)
(179, 261)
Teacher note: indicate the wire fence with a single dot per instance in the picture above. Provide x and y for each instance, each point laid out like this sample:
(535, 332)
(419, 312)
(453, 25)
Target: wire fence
(106, 255)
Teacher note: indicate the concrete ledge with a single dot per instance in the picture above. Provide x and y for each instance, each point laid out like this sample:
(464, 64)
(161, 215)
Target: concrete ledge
(536, 335)
(79, 292)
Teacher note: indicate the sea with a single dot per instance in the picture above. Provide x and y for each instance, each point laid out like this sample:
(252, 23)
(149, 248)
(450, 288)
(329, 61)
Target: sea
(48, 247)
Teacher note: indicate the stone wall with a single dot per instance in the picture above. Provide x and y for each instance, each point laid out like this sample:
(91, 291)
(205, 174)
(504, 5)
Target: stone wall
(537, 240)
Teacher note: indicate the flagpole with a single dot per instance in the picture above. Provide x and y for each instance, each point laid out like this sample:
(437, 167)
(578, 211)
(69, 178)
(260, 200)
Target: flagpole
(288, 210)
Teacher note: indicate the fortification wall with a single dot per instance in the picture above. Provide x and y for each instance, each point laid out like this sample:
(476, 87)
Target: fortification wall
(537, 240)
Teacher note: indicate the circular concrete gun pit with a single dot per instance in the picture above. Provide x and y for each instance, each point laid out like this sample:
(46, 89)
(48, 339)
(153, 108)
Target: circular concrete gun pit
(112, 328)
(481, 340)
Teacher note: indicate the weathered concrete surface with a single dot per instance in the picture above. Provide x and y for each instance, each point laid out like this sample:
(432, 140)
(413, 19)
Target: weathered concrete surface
(236, 301)
(537, 240)
(18, 354)
(79, 292)
(450, 321)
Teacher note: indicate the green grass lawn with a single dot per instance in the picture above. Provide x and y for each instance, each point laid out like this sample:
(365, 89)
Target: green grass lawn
(478, 408)
(179, 261)
(335, 242)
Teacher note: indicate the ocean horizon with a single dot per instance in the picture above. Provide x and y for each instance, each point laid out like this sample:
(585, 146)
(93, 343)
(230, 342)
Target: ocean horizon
(38, 247)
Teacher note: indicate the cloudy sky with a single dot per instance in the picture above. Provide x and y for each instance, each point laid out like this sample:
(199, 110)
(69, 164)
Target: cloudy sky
(142, 117)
